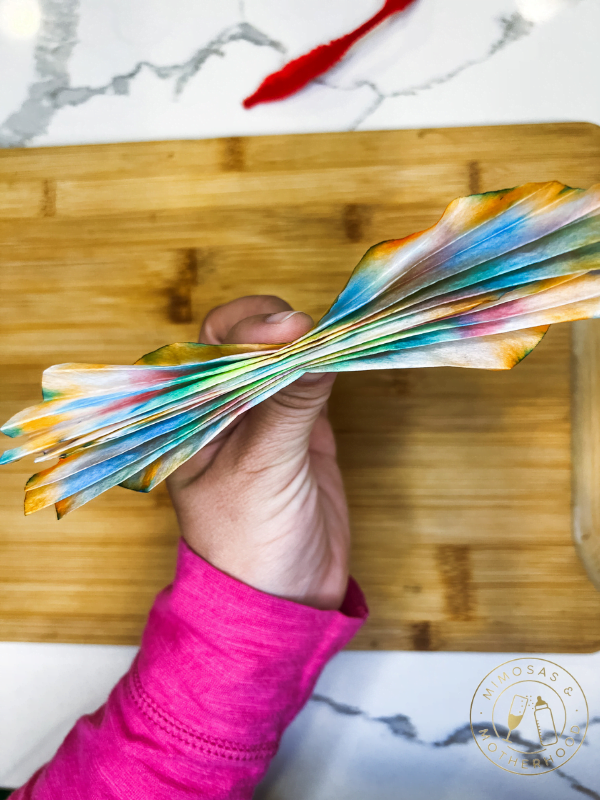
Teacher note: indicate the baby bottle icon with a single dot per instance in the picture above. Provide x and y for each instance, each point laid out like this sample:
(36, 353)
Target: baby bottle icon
(545, 722)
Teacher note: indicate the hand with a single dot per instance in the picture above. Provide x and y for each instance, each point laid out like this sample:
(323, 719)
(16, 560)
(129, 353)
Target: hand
(264, 501)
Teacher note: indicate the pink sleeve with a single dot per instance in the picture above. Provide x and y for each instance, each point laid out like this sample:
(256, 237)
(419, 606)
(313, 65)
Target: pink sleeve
(222, 670)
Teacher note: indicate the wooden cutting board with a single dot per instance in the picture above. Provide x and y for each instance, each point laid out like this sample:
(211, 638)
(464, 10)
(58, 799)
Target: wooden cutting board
(459, 481)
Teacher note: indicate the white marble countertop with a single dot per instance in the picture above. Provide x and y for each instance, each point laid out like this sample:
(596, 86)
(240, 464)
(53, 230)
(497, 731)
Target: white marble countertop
(76, 71)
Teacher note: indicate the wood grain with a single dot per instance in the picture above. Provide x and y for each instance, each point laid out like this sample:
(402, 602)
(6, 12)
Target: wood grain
(586, 445)
(459, 481)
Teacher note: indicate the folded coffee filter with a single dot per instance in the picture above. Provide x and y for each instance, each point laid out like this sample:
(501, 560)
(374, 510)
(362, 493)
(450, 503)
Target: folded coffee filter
(478, 289)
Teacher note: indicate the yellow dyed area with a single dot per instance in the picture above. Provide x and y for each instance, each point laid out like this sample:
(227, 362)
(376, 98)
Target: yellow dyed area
(192, 353)
(39, 423)
(36, 499)
(62, 507)
(148, 476)
(478, 208)
(469, 212)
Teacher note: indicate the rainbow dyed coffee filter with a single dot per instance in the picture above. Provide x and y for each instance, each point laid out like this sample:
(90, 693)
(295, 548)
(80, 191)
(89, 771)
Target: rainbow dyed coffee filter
(478, 289)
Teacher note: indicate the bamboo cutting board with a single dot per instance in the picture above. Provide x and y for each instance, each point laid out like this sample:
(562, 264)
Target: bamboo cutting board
(459, 481)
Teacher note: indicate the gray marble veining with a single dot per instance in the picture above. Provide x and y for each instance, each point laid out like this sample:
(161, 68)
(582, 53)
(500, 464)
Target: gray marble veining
(560, 784)
(53, 91)
(57, 38)
(512, 28)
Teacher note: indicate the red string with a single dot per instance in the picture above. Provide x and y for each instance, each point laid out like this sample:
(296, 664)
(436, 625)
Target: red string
(297, 73)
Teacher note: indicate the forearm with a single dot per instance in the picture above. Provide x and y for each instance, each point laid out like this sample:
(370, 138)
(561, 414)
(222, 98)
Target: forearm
(222, 671)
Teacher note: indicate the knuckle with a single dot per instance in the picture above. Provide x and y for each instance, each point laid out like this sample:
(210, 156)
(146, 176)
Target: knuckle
(300, 403)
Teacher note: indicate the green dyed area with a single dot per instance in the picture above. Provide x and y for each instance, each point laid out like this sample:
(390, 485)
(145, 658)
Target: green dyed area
(4, 793)
(48, 394)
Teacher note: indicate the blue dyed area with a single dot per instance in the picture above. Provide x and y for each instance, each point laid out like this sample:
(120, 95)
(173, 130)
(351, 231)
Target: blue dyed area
(515, 227)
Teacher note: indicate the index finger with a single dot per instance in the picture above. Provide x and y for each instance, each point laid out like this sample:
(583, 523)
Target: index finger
(221, 319)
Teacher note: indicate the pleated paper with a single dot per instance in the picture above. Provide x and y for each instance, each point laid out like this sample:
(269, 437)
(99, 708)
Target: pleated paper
(478, 289)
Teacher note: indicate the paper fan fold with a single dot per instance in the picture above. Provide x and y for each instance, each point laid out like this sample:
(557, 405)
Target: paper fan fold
(478, 289)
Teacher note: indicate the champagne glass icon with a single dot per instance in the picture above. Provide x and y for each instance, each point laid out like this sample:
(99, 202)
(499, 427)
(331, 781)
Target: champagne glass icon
(515, 715)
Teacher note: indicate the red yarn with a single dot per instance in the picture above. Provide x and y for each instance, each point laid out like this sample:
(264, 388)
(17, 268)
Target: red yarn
(297, 73)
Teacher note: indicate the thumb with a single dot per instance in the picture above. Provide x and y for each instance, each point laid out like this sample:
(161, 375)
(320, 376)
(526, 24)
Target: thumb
(281, 425)
(284, 421)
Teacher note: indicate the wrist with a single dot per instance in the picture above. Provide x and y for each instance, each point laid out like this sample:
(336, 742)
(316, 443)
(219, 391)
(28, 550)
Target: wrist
(321, 586)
